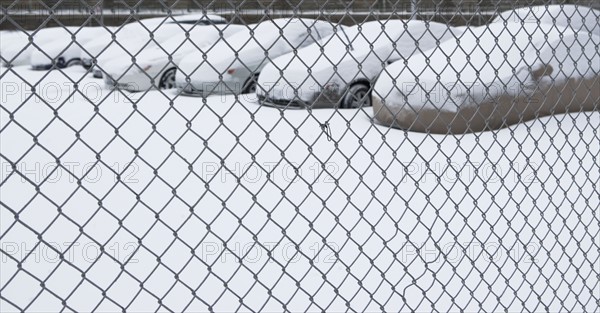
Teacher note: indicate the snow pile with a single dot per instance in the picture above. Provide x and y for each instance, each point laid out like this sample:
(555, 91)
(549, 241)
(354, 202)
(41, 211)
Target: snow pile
(251, 49)
(383, 220)
(577, 17)
(485, 64)
(350, 54)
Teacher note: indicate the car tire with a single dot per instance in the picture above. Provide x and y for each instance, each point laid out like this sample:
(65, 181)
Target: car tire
(357, 96)
(167, 80)
(250, 84)
(61, 63)
(75, 61)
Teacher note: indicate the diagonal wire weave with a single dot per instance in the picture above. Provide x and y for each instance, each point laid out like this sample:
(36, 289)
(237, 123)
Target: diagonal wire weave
(153, 200)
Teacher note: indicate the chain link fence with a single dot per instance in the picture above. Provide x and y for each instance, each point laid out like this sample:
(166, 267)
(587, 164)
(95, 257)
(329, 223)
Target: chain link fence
(225, 156)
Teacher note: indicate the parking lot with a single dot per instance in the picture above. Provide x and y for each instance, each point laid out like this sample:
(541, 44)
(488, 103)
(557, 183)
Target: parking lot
(374, 159)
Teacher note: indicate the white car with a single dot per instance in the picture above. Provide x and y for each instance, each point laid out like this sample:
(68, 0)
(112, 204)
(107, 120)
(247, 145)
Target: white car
(232, 66)
(132, 38)
(491, 77)
(16, 48)
(156, 67)
(340, 70)
(64, 49)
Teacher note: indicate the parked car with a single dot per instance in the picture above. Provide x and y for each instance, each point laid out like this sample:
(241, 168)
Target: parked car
(138, 35)
(16, 48)
(156, 66)
(232, 66)
(491, 77)
(64, 50)
(340, 70)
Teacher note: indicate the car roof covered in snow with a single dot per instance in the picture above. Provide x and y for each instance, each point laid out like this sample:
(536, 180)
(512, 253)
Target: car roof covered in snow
(263, 41)
(577, 17)
(184, 18)
(479, 70)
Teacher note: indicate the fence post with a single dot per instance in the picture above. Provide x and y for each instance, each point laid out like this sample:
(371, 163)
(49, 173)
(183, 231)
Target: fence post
(413, 9)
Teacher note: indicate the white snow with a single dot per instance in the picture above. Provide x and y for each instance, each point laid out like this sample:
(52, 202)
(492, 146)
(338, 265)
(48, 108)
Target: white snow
(67, 45)
(156, 58)
(485, 62)
(196, 18)
(15, 47)
(135, 38)
(525, 197)
(143, 34)
(577, 17)
(355, 53)
(251, 49)
(10, 52)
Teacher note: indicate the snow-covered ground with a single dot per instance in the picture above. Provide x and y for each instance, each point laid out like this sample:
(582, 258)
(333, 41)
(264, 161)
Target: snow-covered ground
(372, 219)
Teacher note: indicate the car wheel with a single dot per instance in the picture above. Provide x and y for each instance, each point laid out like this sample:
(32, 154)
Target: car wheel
(167, 81)
(97, 73)
(358, 96)
(250, 85)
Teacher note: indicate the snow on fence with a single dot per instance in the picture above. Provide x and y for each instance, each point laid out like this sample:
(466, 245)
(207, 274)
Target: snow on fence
(307, 156)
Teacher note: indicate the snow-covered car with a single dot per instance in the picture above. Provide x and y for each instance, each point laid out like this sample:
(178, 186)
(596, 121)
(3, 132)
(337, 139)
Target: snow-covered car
(16, 48)
(492, 77)
(12, 44)
(577, 17)
(232, 66)
(340, 70)
(63, 51)
(156, 67)
(138, 35)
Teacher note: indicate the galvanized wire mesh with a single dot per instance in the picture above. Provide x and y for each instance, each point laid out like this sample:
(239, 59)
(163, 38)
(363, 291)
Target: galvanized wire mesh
(229, 158)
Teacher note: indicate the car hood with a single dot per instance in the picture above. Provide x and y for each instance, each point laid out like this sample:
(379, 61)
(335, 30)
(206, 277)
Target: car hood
(144, 66)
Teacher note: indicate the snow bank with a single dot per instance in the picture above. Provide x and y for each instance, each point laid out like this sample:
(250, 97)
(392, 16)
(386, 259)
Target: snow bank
(350, 54)
(390, 224)
(577, 17)
(445, 89)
